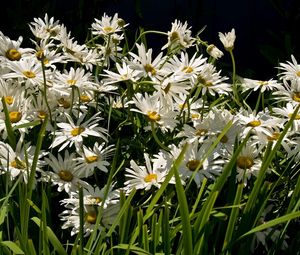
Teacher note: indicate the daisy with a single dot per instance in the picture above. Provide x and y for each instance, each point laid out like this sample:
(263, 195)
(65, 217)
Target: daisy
(71, 218)
(194, 165)
(29, 70)
(45, 28)
(94, 158)
(71, 133)
(18, 162)
(286, 112)
(289, 92)
(214, 52)
(179, 36)
(143, 62)
(64, 173)
(228, 39)
(211, 81)
(144, 176)
(248, 163)
(154, 111)
(260, 85)
(124, 73)
(10, 50)
(108, 25)
(290, 70)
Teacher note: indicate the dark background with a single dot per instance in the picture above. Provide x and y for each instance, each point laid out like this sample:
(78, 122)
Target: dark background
(267, 30)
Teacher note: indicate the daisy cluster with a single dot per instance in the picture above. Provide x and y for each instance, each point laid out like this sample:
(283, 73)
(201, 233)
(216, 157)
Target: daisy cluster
(96, 93)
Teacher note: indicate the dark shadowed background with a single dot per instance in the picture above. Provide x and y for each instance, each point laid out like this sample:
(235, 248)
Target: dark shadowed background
(267, 30)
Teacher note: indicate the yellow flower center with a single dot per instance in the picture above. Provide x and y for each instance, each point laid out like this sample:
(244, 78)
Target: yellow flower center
(15, 116)
(13, 54)
(29, 74)
(64, 103)
(65, 175)
(91, 159)
(254, 123)
(244, 162)
(261, 83)
(85, 98)
(192, 164)
(274, 136)
(298, 73)
(183, 106)
(9, 100)
(40, 54)
(187, 69)
(150, 178)
(201, 132)
(108, 29)
(296, 97)
(174, 36)
(71, 82)
(195, 115)
(41, 114)
(46, 61)
(77, 131)
(150, 69)
(91, 217)
(96, 200)
(297, 117)
(153, 116)
(17, 163)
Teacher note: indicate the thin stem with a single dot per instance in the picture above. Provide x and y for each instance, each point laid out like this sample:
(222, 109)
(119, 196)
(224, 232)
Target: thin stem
(157, 139)
(234, 87)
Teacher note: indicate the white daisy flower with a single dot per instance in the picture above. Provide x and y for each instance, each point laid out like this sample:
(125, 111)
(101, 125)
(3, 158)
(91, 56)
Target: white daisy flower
(260, 85)
(228, 39)
(179, 36)
(290, 70)
(213, 51)
(286, 112)
(144, 176)
(94, 158)
(108, 25)
(71, 133)
(64, 173)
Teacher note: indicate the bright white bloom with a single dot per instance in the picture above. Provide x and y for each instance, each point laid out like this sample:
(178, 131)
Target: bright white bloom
(94, 158)
(145, 176)
(228, 39)
(45, 28)
(290, 70)
(213, 51)
(71, 133)
(64, 173)
(154, 111)
(261, 85)
(143, 62)
(18, 162)
(286, 112)
(108, 25)
(179, 36)
(248, 163)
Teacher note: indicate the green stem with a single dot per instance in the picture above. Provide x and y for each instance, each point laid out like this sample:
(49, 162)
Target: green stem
(234, 87)
(157, 139)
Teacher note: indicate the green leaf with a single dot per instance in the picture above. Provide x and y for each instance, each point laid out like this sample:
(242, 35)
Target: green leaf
(132, 248)
(272, 223)
(12, 246)
(52, 237)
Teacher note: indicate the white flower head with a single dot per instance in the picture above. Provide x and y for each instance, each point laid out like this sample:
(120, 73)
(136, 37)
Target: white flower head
(228, 39)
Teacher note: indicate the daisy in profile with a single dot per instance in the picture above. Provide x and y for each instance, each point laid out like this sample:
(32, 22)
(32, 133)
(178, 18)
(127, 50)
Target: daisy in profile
(64, 173)
(213, 51)
(250, 84)
(143, 62)
(286, 112)
(71, 133)
(108, 25)
(179, 37)
(290, 70)
(45, 28)
(290, 91)
(228, 39)
(18, 162)
(155, 111)
(145, 176)
(94, 158)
